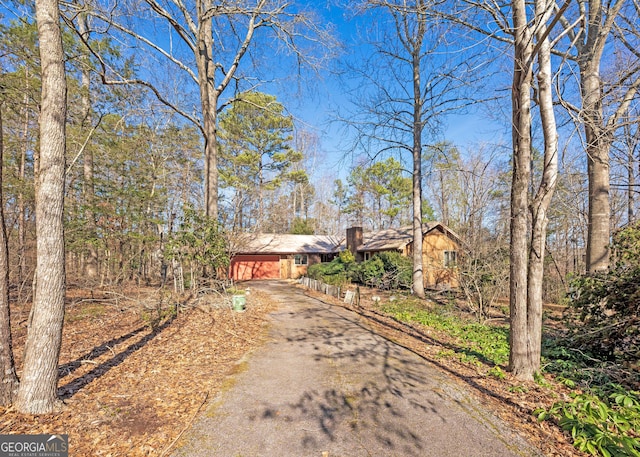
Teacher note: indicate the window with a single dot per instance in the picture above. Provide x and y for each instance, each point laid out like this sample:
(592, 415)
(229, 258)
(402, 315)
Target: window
(301, 259)
(367, 256)
(450, 258)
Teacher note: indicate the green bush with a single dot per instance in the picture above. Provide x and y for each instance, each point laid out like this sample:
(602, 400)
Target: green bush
(369, 272)
(387, 270)
(606, 306)
(201, 241)
(398, 270)
(336, 272)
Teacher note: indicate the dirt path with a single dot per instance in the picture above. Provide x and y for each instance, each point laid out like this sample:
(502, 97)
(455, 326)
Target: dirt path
(325, 385)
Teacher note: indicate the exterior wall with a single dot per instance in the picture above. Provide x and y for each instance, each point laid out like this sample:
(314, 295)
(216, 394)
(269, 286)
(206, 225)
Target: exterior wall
(434, 245)
(436, 275)
(247, 267)
(289, 269)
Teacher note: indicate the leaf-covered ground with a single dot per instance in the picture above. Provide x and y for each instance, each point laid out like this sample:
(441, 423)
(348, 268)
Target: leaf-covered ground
(133, 380)
(130, 389)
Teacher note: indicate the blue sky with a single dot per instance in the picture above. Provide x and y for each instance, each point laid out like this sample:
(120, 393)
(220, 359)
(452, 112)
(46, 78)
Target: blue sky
(317, 108)
(316, 103)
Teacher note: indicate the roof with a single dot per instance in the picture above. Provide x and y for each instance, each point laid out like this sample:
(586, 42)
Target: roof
(386, 240)
(272, 243)
(399, 238)
(383, 240)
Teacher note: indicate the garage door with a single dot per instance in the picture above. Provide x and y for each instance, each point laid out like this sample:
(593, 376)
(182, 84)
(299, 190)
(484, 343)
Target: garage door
(246, 267)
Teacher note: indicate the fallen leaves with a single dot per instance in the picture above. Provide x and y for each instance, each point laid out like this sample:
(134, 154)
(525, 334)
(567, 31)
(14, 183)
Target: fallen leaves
(129, 390)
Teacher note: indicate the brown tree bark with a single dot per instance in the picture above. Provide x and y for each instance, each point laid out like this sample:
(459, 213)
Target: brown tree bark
(519, 361)
(37, 393)
(9, 380)
(91, 262)
(209, 103)
(22, 215)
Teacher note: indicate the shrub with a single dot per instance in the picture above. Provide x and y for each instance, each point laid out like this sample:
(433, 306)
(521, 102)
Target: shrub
(336, 272)
(398, 270)
(606, 306)
(603, 424)
(369, 272)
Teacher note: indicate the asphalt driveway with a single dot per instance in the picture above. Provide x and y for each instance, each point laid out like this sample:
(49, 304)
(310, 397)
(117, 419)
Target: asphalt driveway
(325, 385)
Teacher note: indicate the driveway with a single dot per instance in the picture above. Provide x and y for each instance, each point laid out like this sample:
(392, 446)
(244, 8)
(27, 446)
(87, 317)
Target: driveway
(325, 385)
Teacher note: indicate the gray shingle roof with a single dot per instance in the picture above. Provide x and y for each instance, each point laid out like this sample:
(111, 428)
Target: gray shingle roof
(384, 240)
(270, 243)
(398, 238)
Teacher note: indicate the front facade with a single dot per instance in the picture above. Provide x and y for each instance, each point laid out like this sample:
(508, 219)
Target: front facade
(440, 248)
(278, 256)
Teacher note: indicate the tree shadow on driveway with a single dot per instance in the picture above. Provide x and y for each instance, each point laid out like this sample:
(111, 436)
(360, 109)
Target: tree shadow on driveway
(378, 398)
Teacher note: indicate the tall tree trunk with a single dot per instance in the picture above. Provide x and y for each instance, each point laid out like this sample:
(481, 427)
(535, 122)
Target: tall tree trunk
(209, 103)
(22, 215)
(527, 255)
(596, 30)
(9, 380)
(598, 144)
(543, 196)
(519, 362)
(418, 265)
(631, 177)
(37, 393)
(91, 264)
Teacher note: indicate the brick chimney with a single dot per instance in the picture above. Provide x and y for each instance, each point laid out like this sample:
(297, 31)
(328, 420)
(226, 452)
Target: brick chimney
(354, 241)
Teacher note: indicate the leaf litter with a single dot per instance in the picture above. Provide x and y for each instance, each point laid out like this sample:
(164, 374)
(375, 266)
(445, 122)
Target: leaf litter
(130, 383)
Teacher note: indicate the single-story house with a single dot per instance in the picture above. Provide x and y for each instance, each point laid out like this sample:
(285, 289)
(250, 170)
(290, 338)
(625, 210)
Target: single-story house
(440, 247)
(279, 256)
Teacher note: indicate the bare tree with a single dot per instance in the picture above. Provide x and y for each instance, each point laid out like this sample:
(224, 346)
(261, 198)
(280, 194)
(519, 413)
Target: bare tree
(213, 40)
(410, 86)
(527, 251)
(88, 188)
(8, 379)
(605, 97)
(38, 387)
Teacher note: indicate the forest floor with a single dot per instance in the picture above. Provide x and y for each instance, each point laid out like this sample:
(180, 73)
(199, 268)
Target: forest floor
(133, 378)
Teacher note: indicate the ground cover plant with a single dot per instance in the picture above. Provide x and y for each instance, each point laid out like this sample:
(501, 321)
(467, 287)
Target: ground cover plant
(602, 412)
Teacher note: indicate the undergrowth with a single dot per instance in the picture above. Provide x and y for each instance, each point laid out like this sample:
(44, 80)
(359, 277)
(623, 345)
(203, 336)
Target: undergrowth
(485, 343)
(603, 414)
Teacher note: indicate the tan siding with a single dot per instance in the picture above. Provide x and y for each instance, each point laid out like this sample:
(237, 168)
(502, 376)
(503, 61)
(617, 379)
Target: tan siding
(435, 273)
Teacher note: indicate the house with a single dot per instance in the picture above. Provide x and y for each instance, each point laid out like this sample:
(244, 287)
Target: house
(279, 256)
(440, 247)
